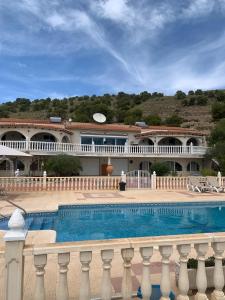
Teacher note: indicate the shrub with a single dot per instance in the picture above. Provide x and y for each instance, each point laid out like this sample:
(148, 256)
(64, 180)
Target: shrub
(161, 169)
(63, 165)
(209, 262)
(174, 120)
(180, 95)
(153, 120)
(208, 172)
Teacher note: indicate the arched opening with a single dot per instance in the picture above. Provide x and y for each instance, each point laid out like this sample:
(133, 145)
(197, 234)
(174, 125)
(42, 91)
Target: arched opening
(193, 167)
(145, 165)
(146, 142)
(37, 167)
(193, 141)
(6, 166)
(174, 166)
(13, 136)
(65, 139)
(19, 165)
(43, 137)
(170, 141)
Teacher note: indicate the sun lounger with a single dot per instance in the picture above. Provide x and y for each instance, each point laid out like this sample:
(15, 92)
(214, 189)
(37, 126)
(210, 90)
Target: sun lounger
(198, 184)
(214, 184)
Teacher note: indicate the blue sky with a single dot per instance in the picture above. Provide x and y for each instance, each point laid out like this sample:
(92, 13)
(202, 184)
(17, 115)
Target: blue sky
(60, 48)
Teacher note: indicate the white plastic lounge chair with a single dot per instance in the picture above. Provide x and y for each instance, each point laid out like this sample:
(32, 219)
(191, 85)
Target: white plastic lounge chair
(198, 184)
(214, 184)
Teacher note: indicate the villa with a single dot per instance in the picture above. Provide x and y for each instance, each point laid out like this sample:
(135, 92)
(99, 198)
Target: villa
(126, 147)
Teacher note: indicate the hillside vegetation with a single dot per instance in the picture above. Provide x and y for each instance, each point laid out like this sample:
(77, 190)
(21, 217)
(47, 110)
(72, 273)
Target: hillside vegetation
(198, 109)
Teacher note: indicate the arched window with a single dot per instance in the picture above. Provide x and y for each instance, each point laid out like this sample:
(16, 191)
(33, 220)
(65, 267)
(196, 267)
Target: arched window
(146, 141)
(13, 136)
(174, 166)
(170, 141)
(19, 165)
(145, 165)
(193, 167)
(43, 137)
(193, 141)
(65, 139)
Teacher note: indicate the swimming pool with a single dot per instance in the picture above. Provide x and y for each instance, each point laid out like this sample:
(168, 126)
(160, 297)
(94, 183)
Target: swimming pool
(108, 221)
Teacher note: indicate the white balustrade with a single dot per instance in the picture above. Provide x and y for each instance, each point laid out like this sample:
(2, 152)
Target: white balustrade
(85, 290)
(165, 284)
(127, 255)
(218, 293)
(146, 288)
(39, 263)
(91, 149)
(183, 282)
(62, 292)
(106, 288)
(201, 279)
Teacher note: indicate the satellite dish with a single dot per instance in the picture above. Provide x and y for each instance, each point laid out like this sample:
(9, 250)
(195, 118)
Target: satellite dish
(99, 118)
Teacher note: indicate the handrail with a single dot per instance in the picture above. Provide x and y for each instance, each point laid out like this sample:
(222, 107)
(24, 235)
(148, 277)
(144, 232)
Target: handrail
(16, 205)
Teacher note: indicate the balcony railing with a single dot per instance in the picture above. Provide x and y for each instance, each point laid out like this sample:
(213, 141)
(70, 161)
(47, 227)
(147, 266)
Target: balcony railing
(44, 268)
(101, 150)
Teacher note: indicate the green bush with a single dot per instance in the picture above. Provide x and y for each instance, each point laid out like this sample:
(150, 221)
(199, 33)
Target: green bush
(153, 120)
(63, 165)
(209, 262)
(161, 169)
(208, 172)
(173, 120)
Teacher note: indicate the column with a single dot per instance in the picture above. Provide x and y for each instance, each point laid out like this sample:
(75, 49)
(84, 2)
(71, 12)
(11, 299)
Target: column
(106, 287)
(183, 281)
(127, 255)
(218, 275)
(146, 287)
(165, 285)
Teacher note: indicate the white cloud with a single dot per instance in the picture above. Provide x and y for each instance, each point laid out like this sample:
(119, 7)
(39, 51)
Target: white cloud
(199, 8)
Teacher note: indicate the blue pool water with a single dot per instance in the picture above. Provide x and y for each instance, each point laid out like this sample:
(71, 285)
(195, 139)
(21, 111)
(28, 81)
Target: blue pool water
(93, 222)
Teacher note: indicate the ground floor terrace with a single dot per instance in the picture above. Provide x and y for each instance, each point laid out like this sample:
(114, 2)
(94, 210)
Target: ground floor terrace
(130, 260)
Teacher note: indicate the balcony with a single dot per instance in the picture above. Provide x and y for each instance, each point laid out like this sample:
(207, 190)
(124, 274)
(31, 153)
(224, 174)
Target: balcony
(50, 148)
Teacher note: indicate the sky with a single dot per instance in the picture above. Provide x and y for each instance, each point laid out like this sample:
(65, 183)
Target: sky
(62, 48)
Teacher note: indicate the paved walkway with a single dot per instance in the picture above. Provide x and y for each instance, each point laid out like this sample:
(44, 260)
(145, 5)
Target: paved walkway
(48, 201)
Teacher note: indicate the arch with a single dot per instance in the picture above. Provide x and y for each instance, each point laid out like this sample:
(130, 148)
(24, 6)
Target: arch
(145, 165)
(174, 166)
(65, 139)
(194, 142)
(43, 137)
(146, 142)
(170, 141)
(19, 165)
(6, 164)
(13, 136)
(193, 166)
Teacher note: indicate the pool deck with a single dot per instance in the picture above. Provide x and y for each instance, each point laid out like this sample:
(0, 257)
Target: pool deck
(49, 201)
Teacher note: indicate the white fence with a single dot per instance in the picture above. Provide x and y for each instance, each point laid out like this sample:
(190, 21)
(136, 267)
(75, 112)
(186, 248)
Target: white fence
(135, 150)
(105, 255)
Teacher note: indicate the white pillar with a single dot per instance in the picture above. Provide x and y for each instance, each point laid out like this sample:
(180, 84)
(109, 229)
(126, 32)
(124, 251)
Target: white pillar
(146, 288)
(106, 287)
(183, 282)
(40, 262)
(201, 279)
(165, 285)
(218, 275)
(85, 290)
(127, 255)
(44, 180)
(14, 260)
(62, 288)
(219, 177)
(153, 181)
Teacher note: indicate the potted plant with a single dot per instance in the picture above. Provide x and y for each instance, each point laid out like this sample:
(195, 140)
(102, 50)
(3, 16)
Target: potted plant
(192, 265)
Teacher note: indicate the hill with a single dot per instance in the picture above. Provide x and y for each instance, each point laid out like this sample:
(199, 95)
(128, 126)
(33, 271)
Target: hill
(193, 110)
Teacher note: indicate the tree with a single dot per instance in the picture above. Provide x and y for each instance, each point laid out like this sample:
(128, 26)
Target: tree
(217, 143)
(153, 120)
(133, 116)
(202, 100)
(198, 92)
(63, 165)
(218, 111)
(161, 169)
(191, 93)
(180, 95)
(174, 120)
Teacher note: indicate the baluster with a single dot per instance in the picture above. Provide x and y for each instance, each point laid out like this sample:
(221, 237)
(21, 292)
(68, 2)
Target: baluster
(146, 288)
(218, 275)
(40, 262)
(62, 288)
(106, 288)
(201, 280)
(165, 285)
(85, 290)
(183, 282)
(127, 255)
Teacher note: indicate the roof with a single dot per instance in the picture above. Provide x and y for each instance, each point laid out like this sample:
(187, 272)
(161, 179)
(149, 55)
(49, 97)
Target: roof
(104, 127)
(69, 126)
(6, 151)
(32, 123)
(166, 130)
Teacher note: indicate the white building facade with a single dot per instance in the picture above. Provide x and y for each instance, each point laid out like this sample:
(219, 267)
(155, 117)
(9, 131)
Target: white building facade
(126, 147)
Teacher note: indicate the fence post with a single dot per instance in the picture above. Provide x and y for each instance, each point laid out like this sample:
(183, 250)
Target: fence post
(219, 177)
(14, 260)
(153, 177)
(44, 180)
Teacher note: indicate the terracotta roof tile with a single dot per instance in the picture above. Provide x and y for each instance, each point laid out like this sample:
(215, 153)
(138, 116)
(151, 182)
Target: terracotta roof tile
(104, 127)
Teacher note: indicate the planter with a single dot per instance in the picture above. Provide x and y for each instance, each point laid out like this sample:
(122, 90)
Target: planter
(192, 276)
(109, 169)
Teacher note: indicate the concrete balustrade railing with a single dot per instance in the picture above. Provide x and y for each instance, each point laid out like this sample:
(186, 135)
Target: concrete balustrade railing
(98, 150)
(180, 245)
